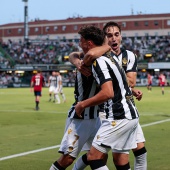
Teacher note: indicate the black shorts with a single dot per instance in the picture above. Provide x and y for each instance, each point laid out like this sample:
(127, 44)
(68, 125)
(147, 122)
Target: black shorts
(37, 93)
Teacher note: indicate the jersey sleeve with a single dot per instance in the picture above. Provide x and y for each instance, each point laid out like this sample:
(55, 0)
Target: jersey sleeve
(100, 71)
(132, 62)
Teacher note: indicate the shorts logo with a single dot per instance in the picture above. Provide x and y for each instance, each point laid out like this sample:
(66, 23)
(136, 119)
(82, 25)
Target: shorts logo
(69, 131)
(113, 123)
(98, 136)
(70, 149)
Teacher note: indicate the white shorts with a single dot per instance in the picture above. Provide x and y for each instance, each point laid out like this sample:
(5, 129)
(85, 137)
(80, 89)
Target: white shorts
(58, 90)
(140, 136)
(77, 133)
(118, 135)
(52, 89)
(102, 115)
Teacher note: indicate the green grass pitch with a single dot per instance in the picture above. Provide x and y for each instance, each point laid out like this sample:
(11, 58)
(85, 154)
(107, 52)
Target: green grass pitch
(23, 129)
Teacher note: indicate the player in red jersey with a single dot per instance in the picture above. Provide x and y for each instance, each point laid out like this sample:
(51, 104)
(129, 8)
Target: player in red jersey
(37, 82)
(149, 86)
(162, 81)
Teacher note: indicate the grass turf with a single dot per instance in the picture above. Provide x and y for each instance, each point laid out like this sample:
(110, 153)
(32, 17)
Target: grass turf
(23, 129)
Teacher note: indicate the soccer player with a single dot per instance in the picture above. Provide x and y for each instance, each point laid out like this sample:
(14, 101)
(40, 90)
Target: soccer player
(128, 61)
(118, 130)
(52, 82)
(59, 89)
(37, 82)
(162, 81)
(79, 130)
(149, 86)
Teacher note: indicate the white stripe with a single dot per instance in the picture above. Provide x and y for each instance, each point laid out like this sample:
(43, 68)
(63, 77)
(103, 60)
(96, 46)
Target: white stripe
(29, 152)
(24, 111)
(57, 146)
(154, 123)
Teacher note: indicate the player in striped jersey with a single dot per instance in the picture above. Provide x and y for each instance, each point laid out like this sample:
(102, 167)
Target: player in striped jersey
(128, 61)
(59, 88)
(79, 130)
(52, 81)
(118, 131)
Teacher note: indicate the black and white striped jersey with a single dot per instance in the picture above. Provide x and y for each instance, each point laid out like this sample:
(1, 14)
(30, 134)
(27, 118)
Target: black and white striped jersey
(121, 105)
(53, 81)
(128, 60)
(85, 87)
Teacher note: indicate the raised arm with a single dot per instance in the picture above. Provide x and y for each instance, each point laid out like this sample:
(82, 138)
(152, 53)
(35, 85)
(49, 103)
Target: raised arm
(94, 53)
(75, 59)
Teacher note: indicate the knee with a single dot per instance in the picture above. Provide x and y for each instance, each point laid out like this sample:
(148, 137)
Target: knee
(66, 160)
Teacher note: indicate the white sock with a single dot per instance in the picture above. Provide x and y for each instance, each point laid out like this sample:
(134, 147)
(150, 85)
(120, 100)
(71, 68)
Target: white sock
(63, 96)
(141, 162)
(57, 97)
(79, 165)
(53, 167)
(102, 168)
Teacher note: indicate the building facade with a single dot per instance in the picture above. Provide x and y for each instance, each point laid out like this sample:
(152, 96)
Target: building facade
(132, 26)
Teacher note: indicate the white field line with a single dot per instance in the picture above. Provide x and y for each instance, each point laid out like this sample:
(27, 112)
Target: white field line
(29, 152)
(33, 111)
(57, 146)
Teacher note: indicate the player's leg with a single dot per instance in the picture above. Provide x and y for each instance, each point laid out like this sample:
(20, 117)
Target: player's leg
(140, 152)
(56, 92)
(121, 161)
(96, 159)
(62, 94)
(162, 89)
(82, 162)
(62, 163)
(50, 93)
(37, 99)
(63, 97)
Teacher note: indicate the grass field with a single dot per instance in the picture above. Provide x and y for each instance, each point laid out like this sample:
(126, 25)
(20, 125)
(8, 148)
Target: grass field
(22, 129)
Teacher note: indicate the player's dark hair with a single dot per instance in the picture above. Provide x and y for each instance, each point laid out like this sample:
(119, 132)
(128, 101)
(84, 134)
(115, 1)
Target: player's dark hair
(93, 33)
(111, 24)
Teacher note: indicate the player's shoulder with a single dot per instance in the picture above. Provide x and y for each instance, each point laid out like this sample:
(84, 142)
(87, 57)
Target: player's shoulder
(130, 53)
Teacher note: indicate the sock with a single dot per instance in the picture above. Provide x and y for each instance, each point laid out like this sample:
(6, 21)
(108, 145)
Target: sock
(140, 159)
(123, 167)
(57, 97)
(98, 165)
(81, 163)
(56, 166)
(63, 96)
(37, 103)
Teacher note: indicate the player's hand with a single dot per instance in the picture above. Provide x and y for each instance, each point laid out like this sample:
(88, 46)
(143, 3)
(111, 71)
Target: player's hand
(31, 90)
(137, 93)
(79, 109)
(86, 71)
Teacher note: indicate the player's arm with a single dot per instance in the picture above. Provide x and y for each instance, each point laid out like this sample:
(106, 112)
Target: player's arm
(131, 76)
(94, 53)
(103, 95)
(32, 84)
(137, 93)
(75, 59)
